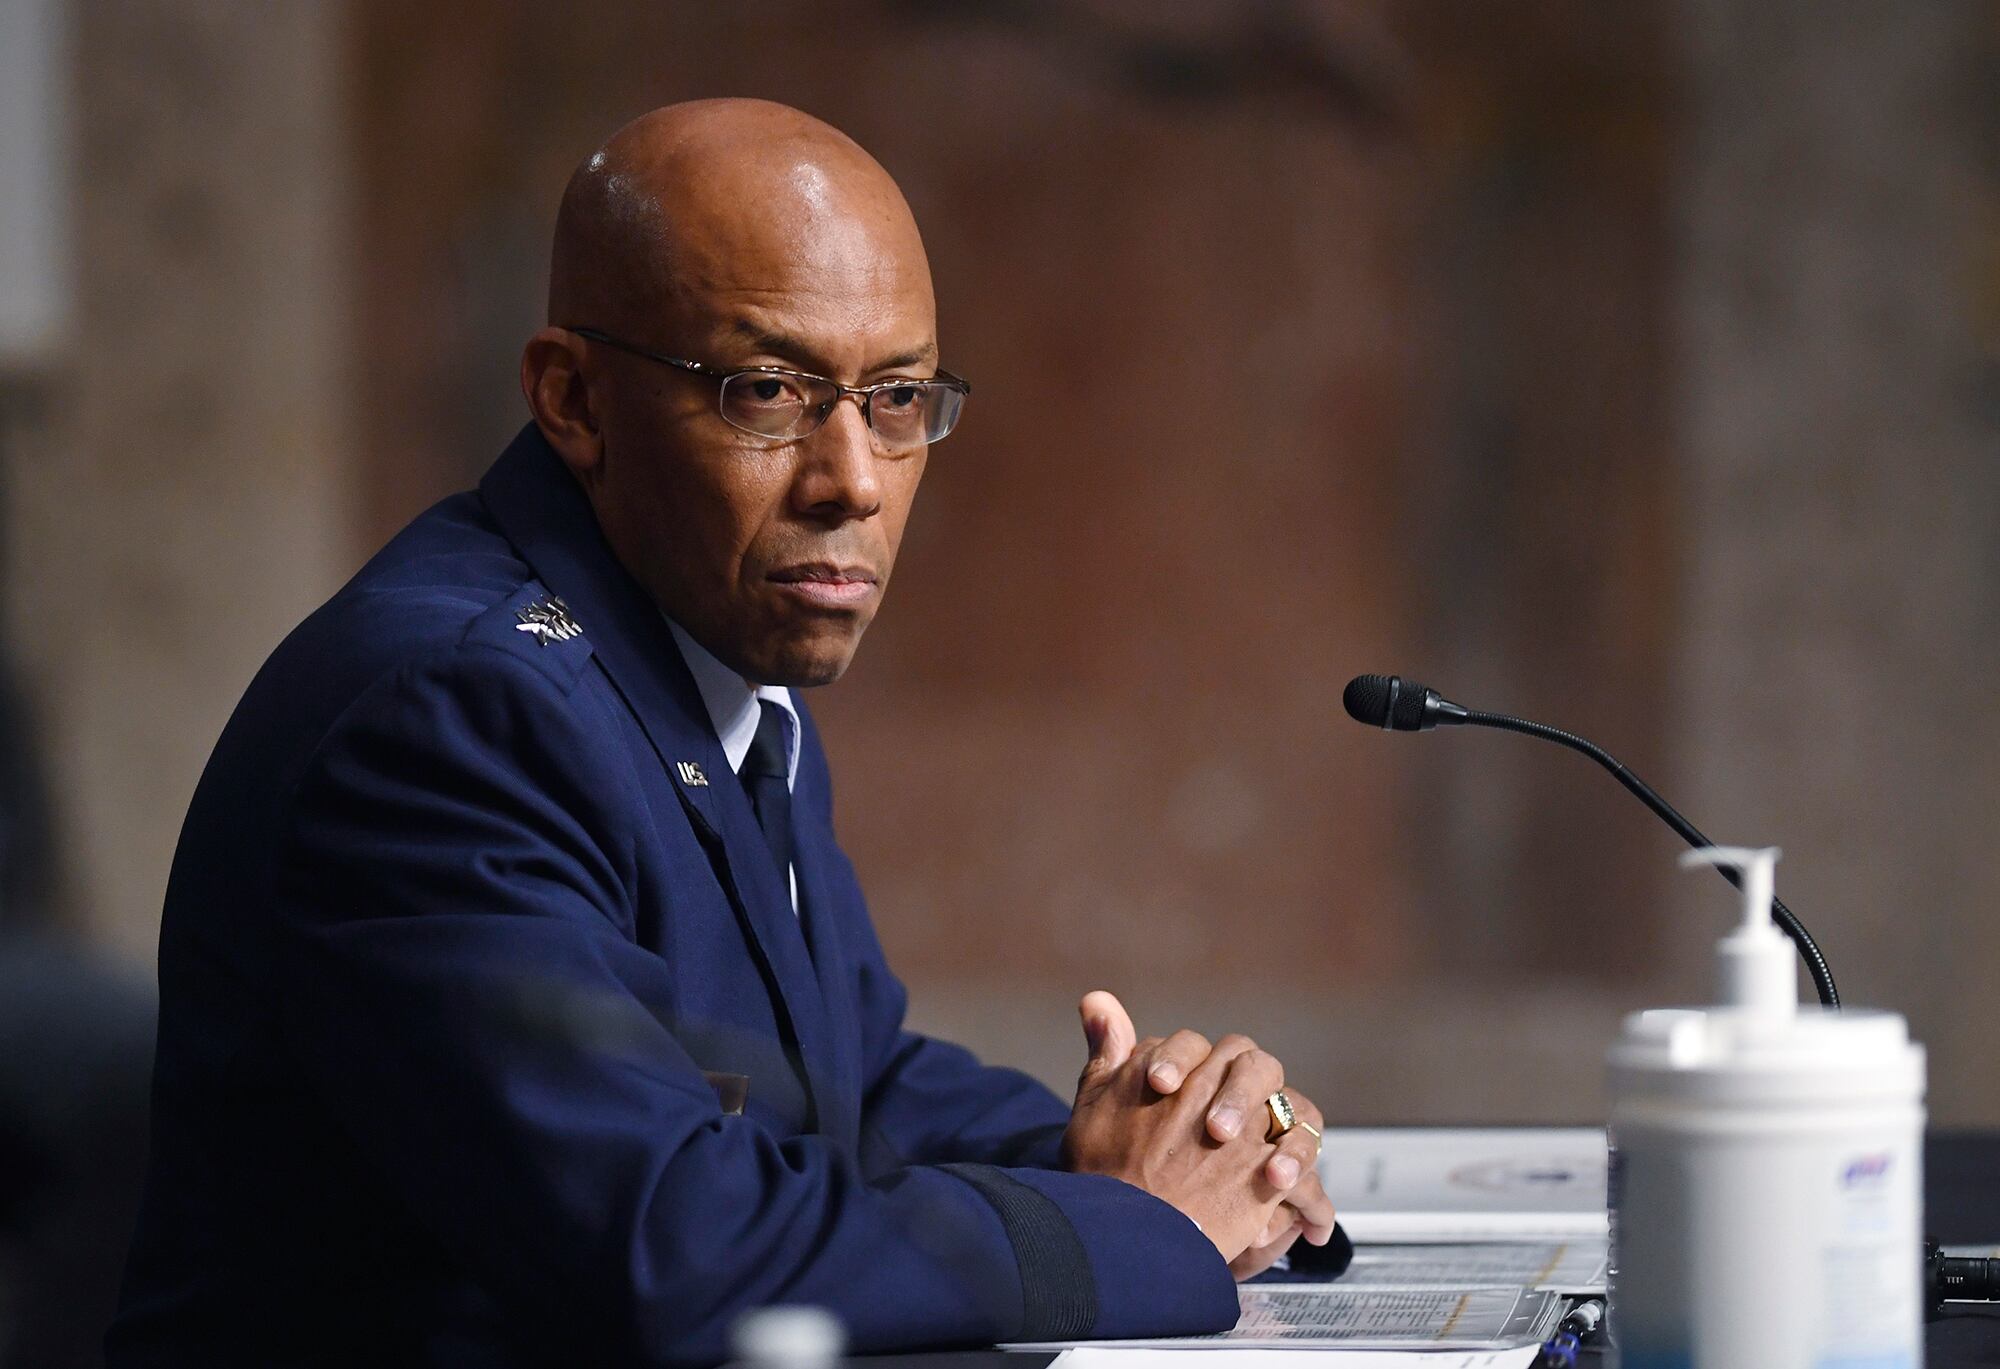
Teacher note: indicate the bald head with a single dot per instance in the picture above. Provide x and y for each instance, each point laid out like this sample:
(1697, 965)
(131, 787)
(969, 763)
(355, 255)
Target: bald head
(716, 239)
(691, 193)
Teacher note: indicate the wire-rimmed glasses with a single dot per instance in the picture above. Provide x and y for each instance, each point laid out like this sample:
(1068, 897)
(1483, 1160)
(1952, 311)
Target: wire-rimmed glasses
(772, 401)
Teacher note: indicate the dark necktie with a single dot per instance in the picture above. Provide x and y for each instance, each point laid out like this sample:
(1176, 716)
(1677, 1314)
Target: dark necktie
(764, 774)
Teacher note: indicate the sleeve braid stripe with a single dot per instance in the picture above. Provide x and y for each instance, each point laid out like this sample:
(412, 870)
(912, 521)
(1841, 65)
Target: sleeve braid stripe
(1058, 1291)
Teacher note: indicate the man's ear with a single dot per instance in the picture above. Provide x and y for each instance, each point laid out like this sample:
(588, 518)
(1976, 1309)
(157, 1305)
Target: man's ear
(552, 380)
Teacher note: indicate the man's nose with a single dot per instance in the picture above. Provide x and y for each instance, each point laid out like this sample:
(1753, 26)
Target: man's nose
(838, 477)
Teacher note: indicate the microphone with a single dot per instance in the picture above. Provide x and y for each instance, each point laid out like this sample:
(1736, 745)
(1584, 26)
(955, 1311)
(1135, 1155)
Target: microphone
(1397, 705)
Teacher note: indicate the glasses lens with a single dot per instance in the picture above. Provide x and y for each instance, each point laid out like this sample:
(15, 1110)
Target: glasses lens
(914, 414)
(775, 405)
(942, 411)
(783, 405)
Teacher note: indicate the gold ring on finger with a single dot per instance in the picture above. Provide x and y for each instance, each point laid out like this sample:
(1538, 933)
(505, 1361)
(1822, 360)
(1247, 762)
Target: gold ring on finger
(1283, 1118)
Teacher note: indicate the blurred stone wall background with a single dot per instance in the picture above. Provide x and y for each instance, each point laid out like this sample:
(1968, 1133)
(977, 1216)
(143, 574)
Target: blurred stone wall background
(1637, 367)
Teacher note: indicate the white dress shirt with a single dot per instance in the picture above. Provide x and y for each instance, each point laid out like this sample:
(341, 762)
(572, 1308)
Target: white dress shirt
(733, 712)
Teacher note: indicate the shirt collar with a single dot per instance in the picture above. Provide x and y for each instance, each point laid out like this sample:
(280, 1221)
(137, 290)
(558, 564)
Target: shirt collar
(732, 704)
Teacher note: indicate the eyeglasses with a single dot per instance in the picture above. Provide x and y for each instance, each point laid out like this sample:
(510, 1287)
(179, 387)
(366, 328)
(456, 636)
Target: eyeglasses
(774, 402)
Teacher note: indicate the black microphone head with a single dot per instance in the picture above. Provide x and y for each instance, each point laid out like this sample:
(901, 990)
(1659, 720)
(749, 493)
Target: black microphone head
(1386, 701)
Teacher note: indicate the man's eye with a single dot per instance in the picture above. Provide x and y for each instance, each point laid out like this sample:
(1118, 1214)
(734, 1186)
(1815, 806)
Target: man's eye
(901, 397)
(770, 390)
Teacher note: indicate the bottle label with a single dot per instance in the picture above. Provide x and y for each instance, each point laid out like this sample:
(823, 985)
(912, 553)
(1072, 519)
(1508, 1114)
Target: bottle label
(1764, 1242)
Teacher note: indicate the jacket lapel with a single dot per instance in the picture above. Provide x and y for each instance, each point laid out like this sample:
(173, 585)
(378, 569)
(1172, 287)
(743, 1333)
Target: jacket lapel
(546, 516)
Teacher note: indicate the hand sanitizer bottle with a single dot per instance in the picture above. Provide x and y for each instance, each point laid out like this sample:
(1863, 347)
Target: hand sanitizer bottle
(788, 1338)
(1766, 1190)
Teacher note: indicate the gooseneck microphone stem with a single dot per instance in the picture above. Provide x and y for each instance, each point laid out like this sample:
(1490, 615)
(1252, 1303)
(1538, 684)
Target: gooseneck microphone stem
(1395, 704)
(1822, 976)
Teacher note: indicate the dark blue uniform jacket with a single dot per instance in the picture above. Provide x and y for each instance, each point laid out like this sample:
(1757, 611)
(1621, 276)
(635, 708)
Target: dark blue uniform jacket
(452, 945)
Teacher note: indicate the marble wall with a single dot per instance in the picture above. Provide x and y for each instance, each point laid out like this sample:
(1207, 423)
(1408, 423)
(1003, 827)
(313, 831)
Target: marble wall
(179, 485)
(1633, 366)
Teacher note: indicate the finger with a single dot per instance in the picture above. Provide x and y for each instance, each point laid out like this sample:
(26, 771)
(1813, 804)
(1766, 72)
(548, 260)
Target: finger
(1298, 1149)
(1314, 1209)
(1107, 1029)
(1294, 1159)
(1197, 1094)
(1297, 1154)
(1252, 1076)
(1300, 1145)
(1176, 1059)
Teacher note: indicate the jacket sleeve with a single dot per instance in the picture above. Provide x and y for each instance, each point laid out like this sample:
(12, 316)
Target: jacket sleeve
(460, 989)
(931, 1101)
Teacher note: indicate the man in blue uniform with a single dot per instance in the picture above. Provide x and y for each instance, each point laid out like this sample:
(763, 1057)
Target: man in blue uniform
(518, 1006)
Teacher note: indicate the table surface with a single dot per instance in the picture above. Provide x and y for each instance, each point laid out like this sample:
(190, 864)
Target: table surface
(1961, 1207)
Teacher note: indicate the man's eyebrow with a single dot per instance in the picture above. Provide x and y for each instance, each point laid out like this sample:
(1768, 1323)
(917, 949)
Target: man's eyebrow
(784, 345)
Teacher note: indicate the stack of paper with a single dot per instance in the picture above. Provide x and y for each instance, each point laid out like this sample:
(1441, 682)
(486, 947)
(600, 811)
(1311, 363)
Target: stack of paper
(1466, 1184)
(1327, 1315)
(1097, 1357)
(1575, 1267)
(1469, 1246)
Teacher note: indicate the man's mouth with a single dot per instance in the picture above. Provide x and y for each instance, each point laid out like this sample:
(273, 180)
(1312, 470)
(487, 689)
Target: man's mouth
(825, 584)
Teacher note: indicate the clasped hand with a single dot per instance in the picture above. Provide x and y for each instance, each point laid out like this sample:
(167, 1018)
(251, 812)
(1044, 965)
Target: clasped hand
(1187, 1121)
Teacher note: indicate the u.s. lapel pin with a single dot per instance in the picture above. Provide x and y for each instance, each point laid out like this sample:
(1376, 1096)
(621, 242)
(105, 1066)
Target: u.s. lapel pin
(547, 620)
(691, 774)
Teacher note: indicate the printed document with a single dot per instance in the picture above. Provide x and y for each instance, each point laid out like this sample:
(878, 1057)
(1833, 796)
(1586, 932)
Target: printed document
(1101, 1357)
(1330, 1316)
(1576, 1267)
(1447, 1184)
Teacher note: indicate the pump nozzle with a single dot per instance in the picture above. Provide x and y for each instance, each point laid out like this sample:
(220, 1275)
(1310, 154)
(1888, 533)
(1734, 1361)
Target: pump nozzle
(1755, 960)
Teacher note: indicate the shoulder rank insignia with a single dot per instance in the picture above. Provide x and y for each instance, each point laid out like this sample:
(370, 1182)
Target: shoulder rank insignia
(548, 619)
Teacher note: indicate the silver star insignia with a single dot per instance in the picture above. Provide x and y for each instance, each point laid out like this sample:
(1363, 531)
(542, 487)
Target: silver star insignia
(548, 619)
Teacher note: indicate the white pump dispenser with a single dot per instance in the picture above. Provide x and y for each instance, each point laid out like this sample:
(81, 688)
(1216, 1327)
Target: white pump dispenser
(1766, 1169)
(1756, 960)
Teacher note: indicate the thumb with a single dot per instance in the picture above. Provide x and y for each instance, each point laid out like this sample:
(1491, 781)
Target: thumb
(1107, 1027)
